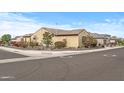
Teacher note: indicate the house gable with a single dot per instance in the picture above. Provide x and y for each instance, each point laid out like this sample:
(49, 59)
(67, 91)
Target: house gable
(82, 33)
(38, 36)
(73, 37)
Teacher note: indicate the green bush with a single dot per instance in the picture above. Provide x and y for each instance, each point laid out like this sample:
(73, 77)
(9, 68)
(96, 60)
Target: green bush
(60, 44)
(89, 41)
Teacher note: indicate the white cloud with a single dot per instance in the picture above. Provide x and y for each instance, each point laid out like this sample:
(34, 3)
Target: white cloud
(112, 27)
(108, 20)
(121, 21)
(16, 24)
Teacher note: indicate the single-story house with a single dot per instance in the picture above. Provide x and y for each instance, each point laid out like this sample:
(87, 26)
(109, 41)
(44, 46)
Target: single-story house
(72, 37)
(17, 39)
(102, 39)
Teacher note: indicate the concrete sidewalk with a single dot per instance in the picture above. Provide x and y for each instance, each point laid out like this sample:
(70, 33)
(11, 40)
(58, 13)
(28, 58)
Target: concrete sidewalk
(33, 54)
(40, 53)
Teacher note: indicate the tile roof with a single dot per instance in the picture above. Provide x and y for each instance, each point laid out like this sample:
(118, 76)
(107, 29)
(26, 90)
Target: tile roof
(96, 35)
(16, 37)
(63, 32)
(26, 35)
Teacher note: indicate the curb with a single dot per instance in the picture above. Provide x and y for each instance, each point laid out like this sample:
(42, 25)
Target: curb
(51, 55)
(56, 53)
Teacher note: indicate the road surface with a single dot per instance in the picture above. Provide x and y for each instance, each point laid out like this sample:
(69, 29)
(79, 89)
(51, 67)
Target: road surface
(8, 55)
(98, 66)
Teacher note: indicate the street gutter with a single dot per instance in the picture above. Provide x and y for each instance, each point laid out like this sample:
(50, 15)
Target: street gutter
(39, 53)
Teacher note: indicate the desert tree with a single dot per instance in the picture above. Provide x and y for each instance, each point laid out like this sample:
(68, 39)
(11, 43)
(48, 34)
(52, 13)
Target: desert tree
(47, 39)
(6, 38)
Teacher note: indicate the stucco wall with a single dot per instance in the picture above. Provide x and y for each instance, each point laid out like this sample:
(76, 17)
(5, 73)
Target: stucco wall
(112, 41)
(83, 33)
(38, 36)
(19, 39)
(72, 41)
(27, 39)
(100, 41)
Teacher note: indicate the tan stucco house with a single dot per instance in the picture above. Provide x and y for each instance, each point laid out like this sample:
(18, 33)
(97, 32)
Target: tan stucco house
(27, 38)
(72, 37)
(104, 39)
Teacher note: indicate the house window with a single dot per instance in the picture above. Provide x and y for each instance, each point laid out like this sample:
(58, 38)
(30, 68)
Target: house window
(34, 38)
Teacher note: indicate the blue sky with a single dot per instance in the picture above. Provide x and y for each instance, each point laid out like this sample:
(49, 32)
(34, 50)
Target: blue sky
(97, 22)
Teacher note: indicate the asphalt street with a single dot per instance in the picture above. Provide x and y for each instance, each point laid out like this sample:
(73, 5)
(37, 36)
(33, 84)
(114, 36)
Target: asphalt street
(98, 66)
(8, 55)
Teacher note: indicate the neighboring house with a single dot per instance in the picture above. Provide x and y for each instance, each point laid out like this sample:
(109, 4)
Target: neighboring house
(72, 37)
(27, 38)
(102, 39)
(17, 39)
(113, 41)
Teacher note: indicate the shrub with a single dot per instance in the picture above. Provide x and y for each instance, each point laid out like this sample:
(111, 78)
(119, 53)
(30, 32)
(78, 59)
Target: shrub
(16, 44)
(32, 44)
(60, 44)
(89, 41)
(24, 45)
(65, 41)
(37, 44)
(19, 44)
(13, 43)
(94, 45)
